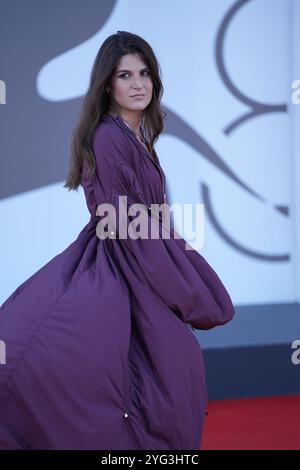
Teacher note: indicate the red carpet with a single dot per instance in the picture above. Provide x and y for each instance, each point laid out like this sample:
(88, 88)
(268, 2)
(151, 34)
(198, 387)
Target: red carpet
(253, 423)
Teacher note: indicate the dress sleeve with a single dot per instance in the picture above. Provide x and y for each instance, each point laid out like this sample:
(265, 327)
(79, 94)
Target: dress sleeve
(181, 277)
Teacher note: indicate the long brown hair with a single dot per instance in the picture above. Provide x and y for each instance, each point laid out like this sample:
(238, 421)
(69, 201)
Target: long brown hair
(96, 102)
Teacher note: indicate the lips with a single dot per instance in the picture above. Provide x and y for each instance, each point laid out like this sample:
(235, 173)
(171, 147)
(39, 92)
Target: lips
(134, 96)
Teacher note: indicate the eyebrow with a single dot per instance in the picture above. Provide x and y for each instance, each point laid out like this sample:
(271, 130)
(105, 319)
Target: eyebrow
(145, 68)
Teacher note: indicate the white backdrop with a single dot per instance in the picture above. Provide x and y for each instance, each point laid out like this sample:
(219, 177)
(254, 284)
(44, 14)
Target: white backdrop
(253, 246)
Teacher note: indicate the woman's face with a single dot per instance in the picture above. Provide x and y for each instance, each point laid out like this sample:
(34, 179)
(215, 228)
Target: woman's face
(131, 77)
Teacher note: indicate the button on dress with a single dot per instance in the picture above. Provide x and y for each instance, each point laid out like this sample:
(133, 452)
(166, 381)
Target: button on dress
(100, 353)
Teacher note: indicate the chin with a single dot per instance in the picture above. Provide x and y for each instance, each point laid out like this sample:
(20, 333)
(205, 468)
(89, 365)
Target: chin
(138, 107)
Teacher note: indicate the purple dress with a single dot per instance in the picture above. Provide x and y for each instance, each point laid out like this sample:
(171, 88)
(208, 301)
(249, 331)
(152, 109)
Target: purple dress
(99, 352)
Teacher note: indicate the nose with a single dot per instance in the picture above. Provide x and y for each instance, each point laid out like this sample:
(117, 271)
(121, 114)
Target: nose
(136, 83)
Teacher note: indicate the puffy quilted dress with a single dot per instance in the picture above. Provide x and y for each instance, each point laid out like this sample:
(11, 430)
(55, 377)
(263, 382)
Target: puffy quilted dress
(99, 349)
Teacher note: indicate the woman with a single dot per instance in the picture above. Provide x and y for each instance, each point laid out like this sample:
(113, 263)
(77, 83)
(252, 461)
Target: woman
(99, 355)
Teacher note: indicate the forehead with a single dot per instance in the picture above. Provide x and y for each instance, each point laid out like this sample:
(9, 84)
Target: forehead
(131, 62)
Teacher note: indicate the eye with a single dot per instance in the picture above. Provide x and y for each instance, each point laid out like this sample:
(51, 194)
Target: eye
(126, 73)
